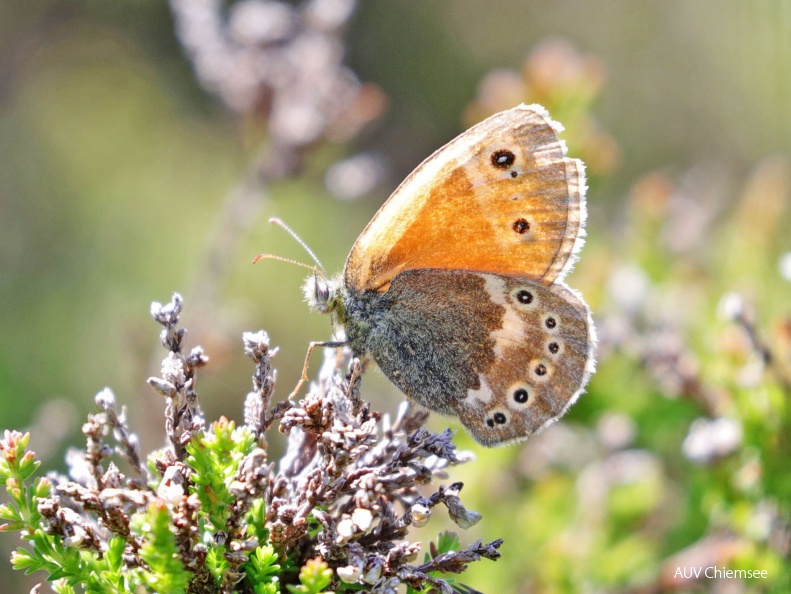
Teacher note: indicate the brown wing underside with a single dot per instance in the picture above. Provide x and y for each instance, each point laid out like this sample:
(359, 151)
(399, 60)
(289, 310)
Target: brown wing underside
(545, 348)
(500, 198)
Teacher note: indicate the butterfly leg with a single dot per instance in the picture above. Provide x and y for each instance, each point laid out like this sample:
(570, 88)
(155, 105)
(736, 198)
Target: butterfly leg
(303, 380)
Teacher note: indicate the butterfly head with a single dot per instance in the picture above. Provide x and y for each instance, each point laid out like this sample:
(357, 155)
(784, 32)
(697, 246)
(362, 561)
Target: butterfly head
(324, 295)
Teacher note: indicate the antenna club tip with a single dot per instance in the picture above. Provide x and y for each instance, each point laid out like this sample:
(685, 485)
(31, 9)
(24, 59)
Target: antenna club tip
(298, 239)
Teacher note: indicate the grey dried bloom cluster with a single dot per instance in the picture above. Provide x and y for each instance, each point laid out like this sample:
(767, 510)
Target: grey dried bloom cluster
(281, 61)
(362, 487)
(177, 384)
(347, 491)
(281, 66)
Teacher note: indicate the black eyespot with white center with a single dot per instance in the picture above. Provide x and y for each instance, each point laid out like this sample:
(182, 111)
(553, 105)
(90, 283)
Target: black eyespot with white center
(498, 417)
(521, 395)
(553, 348)
(541, 371)
(503, 159)
(551, 323)
(524, 296)
(521, 226)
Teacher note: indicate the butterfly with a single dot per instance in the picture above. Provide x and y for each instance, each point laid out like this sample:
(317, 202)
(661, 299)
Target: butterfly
(455, 288)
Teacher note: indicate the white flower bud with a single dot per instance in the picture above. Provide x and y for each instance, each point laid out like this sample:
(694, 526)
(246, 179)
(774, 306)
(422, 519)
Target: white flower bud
(420, 515)
(362, 518)
(349, 574)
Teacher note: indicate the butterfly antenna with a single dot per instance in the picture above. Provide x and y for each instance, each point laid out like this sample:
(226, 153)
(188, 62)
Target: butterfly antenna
(304, 245)
(289, 260)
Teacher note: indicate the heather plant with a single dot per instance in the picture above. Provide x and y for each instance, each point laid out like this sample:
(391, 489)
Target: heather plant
(212, 513)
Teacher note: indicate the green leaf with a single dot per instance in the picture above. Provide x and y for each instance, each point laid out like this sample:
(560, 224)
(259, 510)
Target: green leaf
(214, 457)
(263, 570)
(114, 554)
(314, 577)
(62, 587)
(216, 562)
(8, 512)
(23, 559)
(160, 551)
(27, 466)
(263, 562)
(448, 541)
(256, 521)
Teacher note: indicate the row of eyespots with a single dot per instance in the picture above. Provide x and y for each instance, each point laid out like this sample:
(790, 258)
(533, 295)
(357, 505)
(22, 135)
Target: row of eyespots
(505, 159)
(521, 396)
(541, 370)
(525, 297)
(498, 418)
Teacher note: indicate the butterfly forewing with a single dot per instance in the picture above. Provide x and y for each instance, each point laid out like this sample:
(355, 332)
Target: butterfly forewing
(501, 198)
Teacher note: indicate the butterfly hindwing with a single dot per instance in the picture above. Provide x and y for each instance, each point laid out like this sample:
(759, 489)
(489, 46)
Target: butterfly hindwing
(466, 343)
(543, 359)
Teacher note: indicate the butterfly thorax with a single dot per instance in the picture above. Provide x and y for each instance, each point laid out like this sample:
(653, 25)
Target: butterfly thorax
(357, 313)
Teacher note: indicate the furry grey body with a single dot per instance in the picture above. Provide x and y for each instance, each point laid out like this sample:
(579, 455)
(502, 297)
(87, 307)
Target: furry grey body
(430, 333)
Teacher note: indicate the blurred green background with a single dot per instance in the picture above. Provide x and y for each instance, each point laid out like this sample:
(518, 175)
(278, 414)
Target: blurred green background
(125, 177)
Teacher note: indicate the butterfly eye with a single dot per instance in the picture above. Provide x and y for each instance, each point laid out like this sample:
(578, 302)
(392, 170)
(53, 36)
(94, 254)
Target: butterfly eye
(322, 293)
(503, 159)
